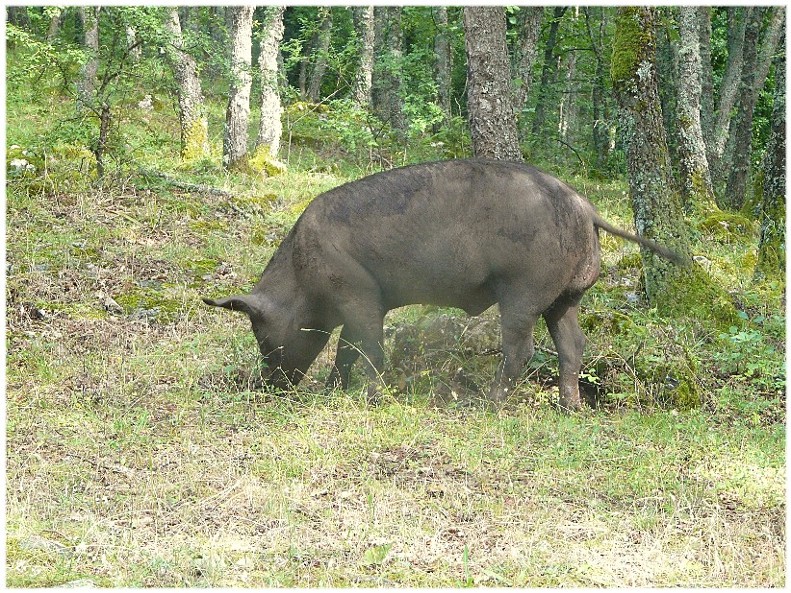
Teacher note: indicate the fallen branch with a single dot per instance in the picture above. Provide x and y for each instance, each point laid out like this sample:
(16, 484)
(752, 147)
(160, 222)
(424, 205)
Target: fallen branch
(185, 185)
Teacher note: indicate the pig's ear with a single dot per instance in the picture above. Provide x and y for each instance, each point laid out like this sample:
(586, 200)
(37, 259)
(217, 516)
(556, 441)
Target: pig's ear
(244, 303)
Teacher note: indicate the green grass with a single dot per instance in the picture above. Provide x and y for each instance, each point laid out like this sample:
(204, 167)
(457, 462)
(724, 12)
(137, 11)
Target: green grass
(138, 455)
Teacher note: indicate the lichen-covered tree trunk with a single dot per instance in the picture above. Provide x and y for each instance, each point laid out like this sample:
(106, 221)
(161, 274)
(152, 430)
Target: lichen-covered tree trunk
(489, 100)
(738, 155)
(715, 146)
(674, 290)
(238, 112)
(386, 86)
(364, 25)
(527, 51)
(86, 86)
(706, 75)
(443, 66)
(270, 128)
(323, 45)
(771, 248)
(666, 60)
(695, 178)
(192, 117)
(657, 209)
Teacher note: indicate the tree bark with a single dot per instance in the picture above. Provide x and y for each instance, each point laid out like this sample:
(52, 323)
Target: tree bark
(192, 118)
(364, 25)
(771, 246)
(86, 86)
(657, 209)
(386, 89)
(238, 112)
(695, 178)
(271, 127)
(737, 21)
(707, 112)
(548, 74)
(443, 67)
(489, 100)
(737, 160)
(320, 63)
(54, 23)
(527, 51)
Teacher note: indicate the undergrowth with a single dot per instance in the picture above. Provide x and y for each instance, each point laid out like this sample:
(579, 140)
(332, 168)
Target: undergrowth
(140, 453)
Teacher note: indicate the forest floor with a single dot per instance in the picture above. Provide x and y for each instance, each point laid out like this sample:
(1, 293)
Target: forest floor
(137, 453)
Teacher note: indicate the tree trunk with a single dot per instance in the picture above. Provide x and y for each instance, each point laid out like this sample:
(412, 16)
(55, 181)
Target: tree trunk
(548, 73)
(443, 68)
(600, 131)
(737, 20)
(364, 25)
(54, 23)
(17, 16)
(489, 100)
(238, 112)
(135, 48)
(527, 51)
(737, 160)
(666, 63)
(192, 118)
(320, 63)
(707, 76)
(86, 86)
(386, 90)
(695, 178)
(771, 247)
(657, 210)
(271, 127)
(568, 100)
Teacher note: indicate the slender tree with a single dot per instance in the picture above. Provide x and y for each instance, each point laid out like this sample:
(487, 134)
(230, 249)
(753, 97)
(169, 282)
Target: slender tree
(386, 89)
(489, 100)
(443, 64)
(527, 51)
(238, 112)
(738, 158)
(715, 145)
(601, 116)
(192, 117)
(548, 73)
(323, 45)
(771, 247)
(695, 178)
(364, 25)
(568, 100)
(86, 86)
(270, 127)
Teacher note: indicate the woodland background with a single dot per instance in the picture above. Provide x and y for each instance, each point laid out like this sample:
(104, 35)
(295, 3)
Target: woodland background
(156, 155)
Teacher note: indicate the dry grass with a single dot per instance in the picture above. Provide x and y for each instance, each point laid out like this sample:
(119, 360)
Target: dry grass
(137, 455)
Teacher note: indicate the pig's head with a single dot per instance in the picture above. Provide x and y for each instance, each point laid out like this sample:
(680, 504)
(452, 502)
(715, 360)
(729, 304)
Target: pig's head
(287, 348)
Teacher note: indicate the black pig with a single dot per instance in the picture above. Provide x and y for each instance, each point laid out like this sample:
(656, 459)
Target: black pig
(462, 233)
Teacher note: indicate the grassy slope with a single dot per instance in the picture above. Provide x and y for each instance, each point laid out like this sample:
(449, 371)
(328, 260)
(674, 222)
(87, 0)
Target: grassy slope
(138, 456)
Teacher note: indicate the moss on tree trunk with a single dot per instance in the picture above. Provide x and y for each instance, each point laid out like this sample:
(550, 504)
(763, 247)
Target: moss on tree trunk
(674, 290)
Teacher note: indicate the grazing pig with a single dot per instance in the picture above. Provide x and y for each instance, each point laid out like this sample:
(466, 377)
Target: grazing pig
(463, 233)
